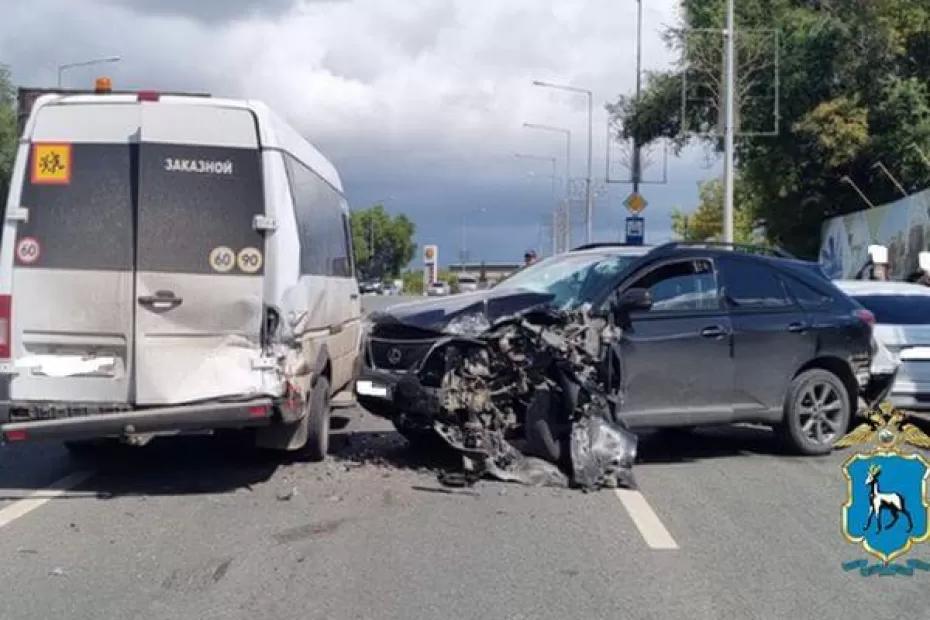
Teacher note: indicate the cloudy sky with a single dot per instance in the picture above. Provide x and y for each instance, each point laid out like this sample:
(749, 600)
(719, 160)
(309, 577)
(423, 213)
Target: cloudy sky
(419, 103)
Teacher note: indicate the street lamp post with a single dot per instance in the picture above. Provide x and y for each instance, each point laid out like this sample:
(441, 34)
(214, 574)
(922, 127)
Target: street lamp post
(845, 179)
(881, 166)
(729, 104)
(589, 203)
(568, 158)
(84, 63)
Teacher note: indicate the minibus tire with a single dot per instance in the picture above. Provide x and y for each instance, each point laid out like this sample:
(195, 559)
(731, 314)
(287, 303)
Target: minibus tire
(318, 420)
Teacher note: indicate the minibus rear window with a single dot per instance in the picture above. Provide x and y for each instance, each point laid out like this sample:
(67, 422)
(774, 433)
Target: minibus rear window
(80, 203)
(196, 209)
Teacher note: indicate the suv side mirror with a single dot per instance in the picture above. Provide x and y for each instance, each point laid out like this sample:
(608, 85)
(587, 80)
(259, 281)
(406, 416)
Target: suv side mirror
(634, 299)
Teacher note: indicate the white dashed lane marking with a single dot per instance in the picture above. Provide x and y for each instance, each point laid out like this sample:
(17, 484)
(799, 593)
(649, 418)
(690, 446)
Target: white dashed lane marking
(37, 498)
(646, 520)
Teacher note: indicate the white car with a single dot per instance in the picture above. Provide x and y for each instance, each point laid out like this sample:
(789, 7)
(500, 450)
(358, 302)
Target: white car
(468, 283)
(437, 289)
(902, 326)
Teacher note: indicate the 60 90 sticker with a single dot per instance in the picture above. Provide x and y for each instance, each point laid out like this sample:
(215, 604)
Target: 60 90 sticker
(222, 259)
(28, 250)
(249, 260)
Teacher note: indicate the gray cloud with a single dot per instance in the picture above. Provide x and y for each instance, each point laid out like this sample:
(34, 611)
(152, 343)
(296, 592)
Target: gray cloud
(422, 100)
(209, 10)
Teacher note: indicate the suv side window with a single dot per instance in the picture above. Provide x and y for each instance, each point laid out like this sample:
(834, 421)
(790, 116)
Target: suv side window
(807, 297)
(683, 286)
(753, 286)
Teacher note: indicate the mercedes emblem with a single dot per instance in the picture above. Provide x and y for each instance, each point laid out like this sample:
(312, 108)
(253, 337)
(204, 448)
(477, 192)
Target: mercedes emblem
(394, 356)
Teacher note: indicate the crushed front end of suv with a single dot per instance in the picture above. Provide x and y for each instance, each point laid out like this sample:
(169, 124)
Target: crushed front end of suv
(523, 399)
(616, 338)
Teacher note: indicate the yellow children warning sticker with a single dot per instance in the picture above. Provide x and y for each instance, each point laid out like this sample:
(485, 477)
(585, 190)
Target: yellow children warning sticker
(51, 163)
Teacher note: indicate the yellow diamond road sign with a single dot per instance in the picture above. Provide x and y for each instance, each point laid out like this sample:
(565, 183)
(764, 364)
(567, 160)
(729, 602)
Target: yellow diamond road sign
(635, 202)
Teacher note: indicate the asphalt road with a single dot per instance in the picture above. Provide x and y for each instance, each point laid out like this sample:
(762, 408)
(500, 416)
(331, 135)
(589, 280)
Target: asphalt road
(723, 526)
(205, 527)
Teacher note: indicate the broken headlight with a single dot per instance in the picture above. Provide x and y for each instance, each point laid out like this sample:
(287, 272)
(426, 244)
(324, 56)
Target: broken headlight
(471, 325)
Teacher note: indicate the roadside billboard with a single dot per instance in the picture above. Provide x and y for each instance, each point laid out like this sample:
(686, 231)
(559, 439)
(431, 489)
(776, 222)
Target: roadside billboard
(430, 264)
(902, 226)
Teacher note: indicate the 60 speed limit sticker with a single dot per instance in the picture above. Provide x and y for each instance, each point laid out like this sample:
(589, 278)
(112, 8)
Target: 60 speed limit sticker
(222, 259)
(28, 250)
(249, 260)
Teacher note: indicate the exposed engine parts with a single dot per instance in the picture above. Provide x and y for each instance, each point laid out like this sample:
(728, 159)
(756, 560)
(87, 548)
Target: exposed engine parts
(527, 401)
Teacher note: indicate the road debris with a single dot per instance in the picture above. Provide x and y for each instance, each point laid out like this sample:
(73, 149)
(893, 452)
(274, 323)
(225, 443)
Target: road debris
(544, 372)
(286, 496)
(444, 491)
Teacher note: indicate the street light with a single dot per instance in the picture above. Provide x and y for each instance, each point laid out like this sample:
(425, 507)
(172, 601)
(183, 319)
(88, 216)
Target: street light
(85, 63)
(888, 174)
(568, 157)
(845, 179)
(589, 204)
(729, 115)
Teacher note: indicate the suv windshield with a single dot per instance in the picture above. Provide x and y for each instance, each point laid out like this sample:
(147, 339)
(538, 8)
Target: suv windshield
(572, 279)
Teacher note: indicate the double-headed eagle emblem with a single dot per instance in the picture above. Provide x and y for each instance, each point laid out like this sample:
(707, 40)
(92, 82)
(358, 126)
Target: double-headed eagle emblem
(886, 427)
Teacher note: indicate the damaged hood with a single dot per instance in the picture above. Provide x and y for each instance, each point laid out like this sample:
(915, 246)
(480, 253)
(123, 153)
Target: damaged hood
(481, 308)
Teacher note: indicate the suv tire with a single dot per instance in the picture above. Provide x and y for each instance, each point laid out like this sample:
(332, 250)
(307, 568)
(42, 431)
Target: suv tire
(420, 438)
(318, 420)
(540, 425)
(817, 412)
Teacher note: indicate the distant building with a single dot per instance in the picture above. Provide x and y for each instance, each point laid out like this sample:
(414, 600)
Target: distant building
(494, 272)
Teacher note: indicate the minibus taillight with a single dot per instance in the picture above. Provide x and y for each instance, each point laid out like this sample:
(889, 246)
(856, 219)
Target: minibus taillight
(6, 305)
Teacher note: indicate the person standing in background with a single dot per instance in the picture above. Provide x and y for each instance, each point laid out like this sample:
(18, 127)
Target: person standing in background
(922, 275)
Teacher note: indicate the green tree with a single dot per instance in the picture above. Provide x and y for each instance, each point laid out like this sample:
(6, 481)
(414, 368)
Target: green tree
(390, 238)
(7, 131)
(705, 223)
(854, 90)
(413, 282)
(450, 278)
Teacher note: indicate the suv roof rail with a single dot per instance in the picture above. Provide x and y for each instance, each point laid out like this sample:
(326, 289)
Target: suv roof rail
(608, 244)
(747, 248)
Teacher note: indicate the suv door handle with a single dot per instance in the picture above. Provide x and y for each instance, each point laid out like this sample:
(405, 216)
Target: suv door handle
(161, 301)
(714, 331)
(797, 326)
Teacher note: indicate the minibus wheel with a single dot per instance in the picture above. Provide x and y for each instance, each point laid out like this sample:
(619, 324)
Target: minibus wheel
(318, 420)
